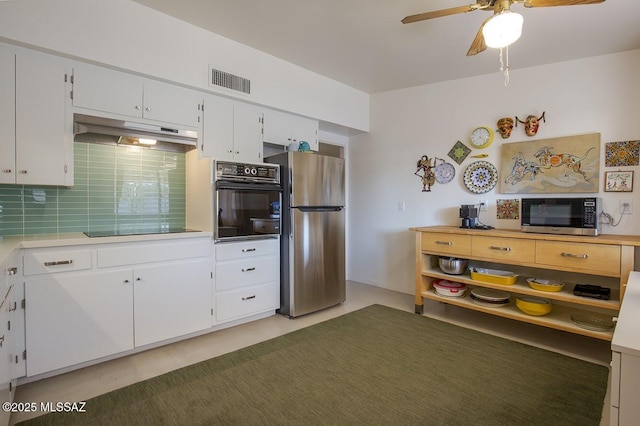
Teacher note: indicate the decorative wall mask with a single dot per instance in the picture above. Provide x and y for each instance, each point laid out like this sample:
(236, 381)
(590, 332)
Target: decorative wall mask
(531, 124)
(505, 126)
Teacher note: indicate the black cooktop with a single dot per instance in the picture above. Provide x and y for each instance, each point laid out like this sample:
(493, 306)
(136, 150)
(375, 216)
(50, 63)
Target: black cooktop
(117, 233)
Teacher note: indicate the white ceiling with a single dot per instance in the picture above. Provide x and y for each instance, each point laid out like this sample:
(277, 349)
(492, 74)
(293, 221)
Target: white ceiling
(363, 44)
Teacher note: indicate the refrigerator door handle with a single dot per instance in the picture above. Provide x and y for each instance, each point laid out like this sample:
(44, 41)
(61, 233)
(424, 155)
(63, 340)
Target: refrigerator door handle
(321, 209)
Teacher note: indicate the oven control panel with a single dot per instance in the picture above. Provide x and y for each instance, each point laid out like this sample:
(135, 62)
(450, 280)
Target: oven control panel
(227, 170)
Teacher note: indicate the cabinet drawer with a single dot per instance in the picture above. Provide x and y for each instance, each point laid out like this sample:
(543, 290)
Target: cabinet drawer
(452, 244)
(49, 261)
(252, 300)
(245, 272)
(501, 249)
(600, 259)
(245, 249)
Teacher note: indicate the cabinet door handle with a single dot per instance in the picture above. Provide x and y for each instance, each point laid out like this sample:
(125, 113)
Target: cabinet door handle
(126, 281)
(249, 297)
(58, 262)
(12, 271)
(444, 243)
(6, 170)
(22, 172)
(575, 256)
(137, 107)
(500, 248)
(247, 250)
(248, 269)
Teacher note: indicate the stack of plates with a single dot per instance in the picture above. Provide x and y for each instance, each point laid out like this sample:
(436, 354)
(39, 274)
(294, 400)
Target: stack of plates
(592, 321)
(489, 298)
(449, 288)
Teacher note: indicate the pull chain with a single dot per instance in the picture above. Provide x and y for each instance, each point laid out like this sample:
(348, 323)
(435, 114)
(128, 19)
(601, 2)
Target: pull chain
(504, 68)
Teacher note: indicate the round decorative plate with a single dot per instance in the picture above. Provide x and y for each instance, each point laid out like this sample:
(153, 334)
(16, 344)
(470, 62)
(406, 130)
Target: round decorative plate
(480, 177)
(445, 172)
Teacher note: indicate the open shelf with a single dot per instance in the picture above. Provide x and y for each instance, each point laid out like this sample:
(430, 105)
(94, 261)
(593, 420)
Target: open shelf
(559, 318)
(522, 287)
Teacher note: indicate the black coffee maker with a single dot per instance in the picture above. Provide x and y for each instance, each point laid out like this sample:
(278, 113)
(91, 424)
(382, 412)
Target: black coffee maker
(469, 216)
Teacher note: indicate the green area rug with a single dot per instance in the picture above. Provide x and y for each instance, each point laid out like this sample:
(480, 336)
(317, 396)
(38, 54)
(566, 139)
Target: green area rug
(375, 366)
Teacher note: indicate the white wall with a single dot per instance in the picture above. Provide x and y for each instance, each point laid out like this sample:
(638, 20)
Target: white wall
(126, 35)
(599, 94)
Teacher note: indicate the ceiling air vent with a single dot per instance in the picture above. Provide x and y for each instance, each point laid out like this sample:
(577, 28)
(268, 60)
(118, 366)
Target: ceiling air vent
(229, 81)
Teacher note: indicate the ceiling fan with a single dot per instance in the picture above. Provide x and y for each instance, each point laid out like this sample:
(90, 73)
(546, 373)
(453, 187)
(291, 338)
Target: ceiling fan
(491, 32)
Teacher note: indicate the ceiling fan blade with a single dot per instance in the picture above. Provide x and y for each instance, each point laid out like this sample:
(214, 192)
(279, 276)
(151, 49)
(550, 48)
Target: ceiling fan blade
(439, 13)
(550, 3)
(478, 45)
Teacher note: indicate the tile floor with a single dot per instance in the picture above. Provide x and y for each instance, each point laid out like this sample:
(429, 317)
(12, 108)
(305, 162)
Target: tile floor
(88, 382)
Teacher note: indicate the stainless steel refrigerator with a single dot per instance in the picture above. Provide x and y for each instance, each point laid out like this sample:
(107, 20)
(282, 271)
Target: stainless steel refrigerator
(312, 275)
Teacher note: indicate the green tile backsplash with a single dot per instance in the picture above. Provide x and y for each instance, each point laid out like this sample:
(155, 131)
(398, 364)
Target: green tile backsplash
(116, 188)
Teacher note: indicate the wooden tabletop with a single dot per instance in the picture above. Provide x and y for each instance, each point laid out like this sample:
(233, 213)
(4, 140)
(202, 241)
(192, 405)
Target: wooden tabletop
(628, 240)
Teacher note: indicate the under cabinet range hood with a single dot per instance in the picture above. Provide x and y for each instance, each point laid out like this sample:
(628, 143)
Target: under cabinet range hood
(131, 129)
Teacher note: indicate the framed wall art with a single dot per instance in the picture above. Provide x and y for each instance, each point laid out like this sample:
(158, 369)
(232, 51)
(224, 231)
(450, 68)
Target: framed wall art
(569, 164)
(619, 181)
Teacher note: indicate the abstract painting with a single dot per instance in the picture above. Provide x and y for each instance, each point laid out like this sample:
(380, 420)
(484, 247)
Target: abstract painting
(556, 165)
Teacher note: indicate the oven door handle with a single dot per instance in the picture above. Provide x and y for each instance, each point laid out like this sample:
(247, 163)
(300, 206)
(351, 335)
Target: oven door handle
(252, 186)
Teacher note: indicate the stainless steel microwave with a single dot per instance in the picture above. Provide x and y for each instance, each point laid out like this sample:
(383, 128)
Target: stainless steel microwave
(557, 215)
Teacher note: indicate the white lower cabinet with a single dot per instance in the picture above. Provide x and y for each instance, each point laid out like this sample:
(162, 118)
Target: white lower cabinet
(171, 300)
(111, 298)
(76, 317)
(247, 279)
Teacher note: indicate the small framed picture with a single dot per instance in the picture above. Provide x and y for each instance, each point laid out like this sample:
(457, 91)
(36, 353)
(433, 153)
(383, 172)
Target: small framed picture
(620, 181)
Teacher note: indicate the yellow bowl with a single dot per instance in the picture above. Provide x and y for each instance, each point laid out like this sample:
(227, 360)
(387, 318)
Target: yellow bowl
(533, 305)
(493, 276)
(545, 285)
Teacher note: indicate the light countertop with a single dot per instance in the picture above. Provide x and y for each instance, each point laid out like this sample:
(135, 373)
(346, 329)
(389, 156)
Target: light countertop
(12, 242)
(626, 337)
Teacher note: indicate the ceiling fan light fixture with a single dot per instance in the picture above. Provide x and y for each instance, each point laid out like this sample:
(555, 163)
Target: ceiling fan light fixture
(502, 29)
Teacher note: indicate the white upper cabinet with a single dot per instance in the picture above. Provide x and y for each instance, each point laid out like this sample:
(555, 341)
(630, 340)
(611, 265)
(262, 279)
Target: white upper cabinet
(171, 104)
(247, 133)
(231, 130)
(7, 115)
(113, 92)
(101, 89)
(44, 128)
(217, 128)
(283, 129)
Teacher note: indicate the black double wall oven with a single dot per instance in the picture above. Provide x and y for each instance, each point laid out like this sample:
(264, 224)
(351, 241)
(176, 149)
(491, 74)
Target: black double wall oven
(246, 201)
